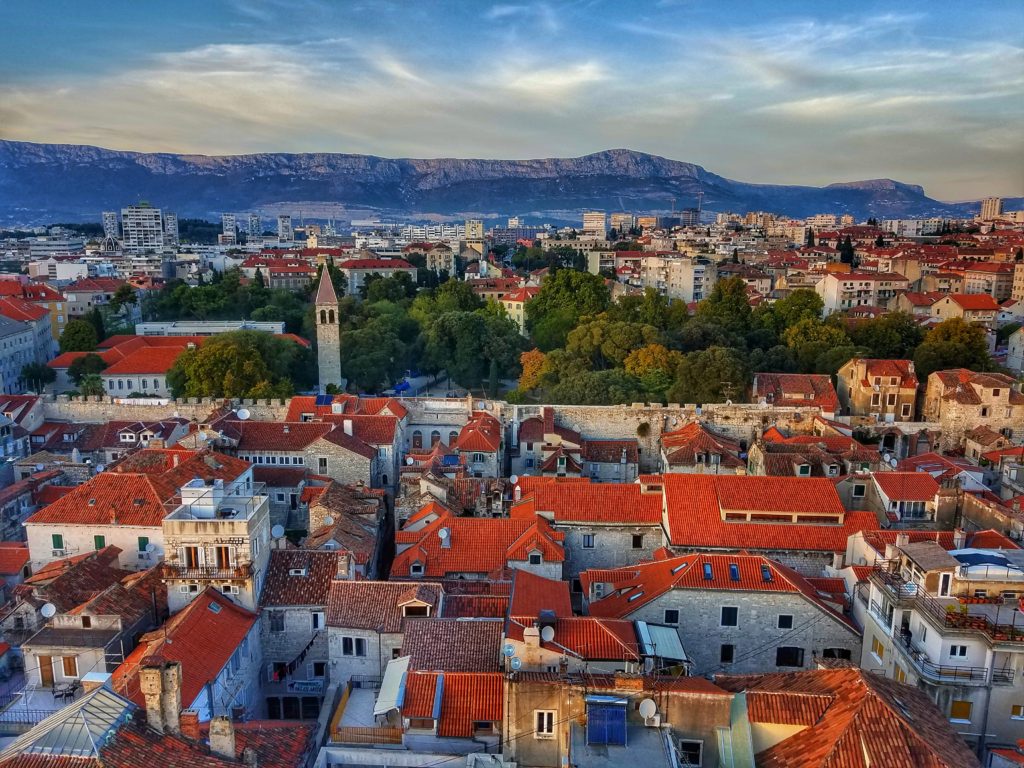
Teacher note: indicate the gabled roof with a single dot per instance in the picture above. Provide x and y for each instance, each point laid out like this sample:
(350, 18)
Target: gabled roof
(453, 645)
(974, 302)
(907, 486)
(612, 503)
(298, 577)
(635, 586)
(868, 720)
(72, 581)
(696, 506)
(683, 445)
(201, 636)
(477, 545)
(797, 390)
(13, 556)
(589, 638)
(377, 605)
(482, 433)
(456, 700)
(532, 594)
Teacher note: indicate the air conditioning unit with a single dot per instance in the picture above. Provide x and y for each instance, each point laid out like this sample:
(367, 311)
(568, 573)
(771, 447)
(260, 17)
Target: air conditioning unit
(59, 553)
(654, 721)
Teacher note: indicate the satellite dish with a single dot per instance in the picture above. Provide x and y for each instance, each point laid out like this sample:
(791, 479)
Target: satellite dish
(886, 457)
(547, 634)
(516, 663)
(509, 649)
(409, 461)
(277, 531)
(100, 468)
(328, 520)
(151, 548)
(243, 414)
(443, 534)
(728, 402)
(49, 611)
(648, 709)
(40, 467)
(893, 463)
(513, 479)
(480, 405)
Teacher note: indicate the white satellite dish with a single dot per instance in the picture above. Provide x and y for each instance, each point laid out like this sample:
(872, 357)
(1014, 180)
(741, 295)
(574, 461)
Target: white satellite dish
(277, 531)
(480, 405)
(886, 457)
(40, 467)
(648, 709)
(513, 479)
(409, 461)
(443, 534)
(49, 611)
(328, 520)
(243, 414)
(100, 468)
(509, 649)
(516, 663)
(547, 634)
(893, 463)
(151, 548)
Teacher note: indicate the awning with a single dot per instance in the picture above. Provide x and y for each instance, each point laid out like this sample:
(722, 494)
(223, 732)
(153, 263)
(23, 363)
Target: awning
(392, 687)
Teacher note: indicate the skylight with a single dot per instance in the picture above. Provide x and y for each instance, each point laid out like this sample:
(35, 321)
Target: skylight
(734, 572)
(766, 572)
(637, 596)
(214, 607)
(679, 567)
(708, 575)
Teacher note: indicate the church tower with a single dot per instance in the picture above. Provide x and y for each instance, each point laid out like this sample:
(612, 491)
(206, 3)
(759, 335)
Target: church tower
(328, 332)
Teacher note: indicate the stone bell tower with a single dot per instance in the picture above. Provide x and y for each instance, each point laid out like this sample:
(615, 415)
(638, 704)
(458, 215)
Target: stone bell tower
(328, 332)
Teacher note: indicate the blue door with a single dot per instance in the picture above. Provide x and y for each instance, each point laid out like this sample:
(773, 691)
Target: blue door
(606, 725)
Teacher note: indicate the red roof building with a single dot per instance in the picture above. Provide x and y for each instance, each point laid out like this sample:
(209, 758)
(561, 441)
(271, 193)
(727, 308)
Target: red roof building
(796, 390)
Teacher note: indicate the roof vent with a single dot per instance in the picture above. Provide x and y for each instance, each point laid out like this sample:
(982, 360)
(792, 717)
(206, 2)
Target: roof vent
(92, 502)
(297, 571)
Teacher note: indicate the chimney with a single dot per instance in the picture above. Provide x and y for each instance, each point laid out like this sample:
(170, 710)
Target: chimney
(902, 539)
(347, 426)
(959, 538)
(171, 696)
(250, 758)
(531, 636)
(160, 683)
(222, 737)
(174, 459)
(190, 724)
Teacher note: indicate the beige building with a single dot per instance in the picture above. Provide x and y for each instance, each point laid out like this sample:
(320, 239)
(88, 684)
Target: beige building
(595, 223)
(1017, 289)
(441, 259)
(991, 208)
(959, 399)
(844, 291)
(515, 304)
(886, 389)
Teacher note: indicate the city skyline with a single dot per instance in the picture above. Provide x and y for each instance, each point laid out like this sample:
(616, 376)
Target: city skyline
(923, 94)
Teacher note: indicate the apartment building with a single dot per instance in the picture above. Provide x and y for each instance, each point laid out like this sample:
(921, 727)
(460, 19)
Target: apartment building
(885, 389)
(843, 291)
(142, 228)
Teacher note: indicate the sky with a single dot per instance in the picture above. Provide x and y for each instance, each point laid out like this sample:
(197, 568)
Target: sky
(769, 91)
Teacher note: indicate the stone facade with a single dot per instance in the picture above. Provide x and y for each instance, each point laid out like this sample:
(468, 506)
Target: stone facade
(960, 400)
(376, 648)
(284, 634)
(612, 546)
(757, 633)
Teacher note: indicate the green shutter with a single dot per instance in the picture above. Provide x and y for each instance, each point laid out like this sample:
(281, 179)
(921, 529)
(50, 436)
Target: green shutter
(99, 541)
(58, 541)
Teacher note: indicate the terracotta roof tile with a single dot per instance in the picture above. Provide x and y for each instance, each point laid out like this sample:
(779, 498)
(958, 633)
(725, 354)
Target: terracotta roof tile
(482, 433)
(590, 638)
(615, 503)
(377, 605)
(13, 556)
(907, 486)
(797, 390)
(284, 588)
(466, 698)
(532, 594)
(453, 645)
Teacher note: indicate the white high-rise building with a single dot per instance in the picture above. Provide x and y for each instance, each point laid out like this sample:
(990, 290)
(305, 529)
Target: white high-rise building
(284, 229)
(143, 228)
(255, 226)
(229, 233)
(991, 208)
(110, 227)
(513, 222)
(171, 230)
(595, 223)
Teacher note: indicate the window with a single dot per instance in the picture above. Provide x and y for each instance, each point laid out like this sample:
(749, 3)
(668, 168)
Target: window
(353, 646)
(727, 653)
(906, 410)
(57, 540)
(318, 669)
(225, 556)
(804, 470)
(958, 651)
(890, 399)
(638, 541)
(671, 616)
(321, 465)
(70, 666)
(143, 543)
(899, 674)
(785, 621)
(877, 648)
(191, 557)
(691, 752)
(789, 656)
(277, 670)
(730, 616)
(99, 542)
(1017, 712)
(836, 653)
(984, 413)
(960, 710)
(876, 399)
(276, 621)
(416, 569)
(86, 622)
(606, 724)
(543, 724)
(588, 541)
(435, 438)
(279, 496)
(317, 618)
(535, 558)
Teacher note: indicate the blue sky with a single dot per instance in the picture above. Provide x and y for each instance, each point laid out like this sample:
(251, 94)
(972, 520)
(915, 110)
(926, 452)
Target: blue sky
(761, 90)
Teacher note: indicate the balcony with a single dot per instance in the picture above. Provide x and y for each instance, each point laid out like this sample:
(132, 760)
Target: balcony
(175, 570)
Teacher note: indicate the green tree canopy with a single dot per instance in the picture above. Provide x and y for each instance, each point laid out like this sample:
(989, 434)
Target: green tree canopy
(809, 339)
(606, 344)
(91, 385)
(241, 364)
(801, 304)
(563, 299)
(78, 336)
(712, 375)
(952, 344)
(727, 306)
(84, 366)
(892, 335)
(38, 375)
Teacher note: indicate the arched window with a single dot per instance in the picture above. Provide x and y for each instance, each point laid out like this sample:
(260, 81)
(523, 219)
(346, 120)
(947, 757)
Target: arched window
(330, 315)
(417, 439)
(452, 437)
(435, 438)
(323, 317)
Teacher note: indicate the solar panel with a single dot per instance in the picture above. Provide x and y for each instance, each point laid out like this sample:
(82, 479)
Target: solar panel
(324, 399)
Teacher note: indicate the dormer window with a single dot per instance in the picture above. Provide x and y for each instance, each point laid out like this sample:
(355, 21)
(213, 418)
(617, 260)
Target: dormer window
(416, 569)
(297, 571)
(803, 470)
(536, 558)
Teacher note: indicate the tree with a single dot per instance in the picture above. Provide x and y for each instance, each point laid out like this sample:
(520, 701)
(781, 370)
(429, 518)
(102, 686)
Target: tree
(894, 335)
(563, 299)
(801, 304)
(809, 240)
(95, 317)
(123, 296)
(91, 386)
(655, 366)
(241, 364)
(78, 336)
(84, 366)
(38, 375)
(810, 338)
(727, 306)
(372, 355)
(258, 280)
(710, 376)
(879, 242)
(533, 364)
(846, 251)
(952, 344)
(606, 344)
(396, 288)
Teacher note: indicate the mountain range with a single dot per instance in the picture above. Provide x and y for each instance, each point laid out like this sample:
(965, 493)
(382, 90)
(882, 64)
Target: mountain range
(45, 183)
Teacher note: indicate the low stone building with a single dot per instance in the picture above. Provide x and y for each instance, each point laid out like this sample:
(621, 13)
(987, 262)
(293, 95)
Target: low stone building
(959, 400)
(884, 389)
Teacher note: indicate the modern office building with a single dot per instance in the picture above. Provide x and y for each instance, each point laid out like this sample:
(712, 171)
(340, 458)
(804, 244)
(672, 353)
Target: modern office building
(171, 238)
(143, 228)
(285, 234)
(991, 208)
(228, 229)
(255, 226)
(595, 222)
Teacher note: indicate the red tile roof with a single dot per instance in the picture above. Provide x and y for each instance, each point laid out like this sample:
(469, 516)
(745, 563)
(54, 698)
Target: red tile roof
(375, 264)
(532, 594)
(907, 486)
(590, 638)
(202, 638)
(482, 434)
(635, 586)
(13, 556)
(19, 309)
(285, 586)
(377, 605)
(453, 645)
(696, 504)
(797, 390)
(612, 503)
(466, 698)
(975, 302)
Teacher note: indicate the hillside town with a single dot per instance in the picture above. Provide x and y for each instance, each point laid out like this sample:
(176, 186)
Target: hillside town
(692, 490)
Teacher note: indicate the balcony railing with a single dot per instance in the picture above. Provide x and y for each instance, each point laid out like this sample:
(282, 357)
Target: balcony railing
(936, 672)
(174, 570)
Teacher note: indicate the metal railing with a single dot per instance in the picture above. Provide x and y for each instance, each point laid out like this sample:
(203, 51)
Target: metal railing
(938, 672)
(177, 570)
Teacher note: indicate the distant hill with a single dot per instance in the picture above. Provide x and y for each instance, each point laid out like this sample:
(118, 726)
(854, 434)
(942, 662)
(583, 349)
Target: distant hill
(42, 183)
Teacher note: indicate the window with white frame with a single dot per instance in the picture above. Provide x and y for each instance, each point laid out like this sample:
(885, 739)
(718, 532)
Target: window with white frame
(588, 541)
(544, 723)
(317, 619)
(958, 651)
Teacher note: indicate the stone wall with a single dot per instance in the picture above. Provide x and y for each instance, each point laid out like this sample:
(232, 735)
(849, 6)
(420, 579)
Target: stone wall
(100, 409)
